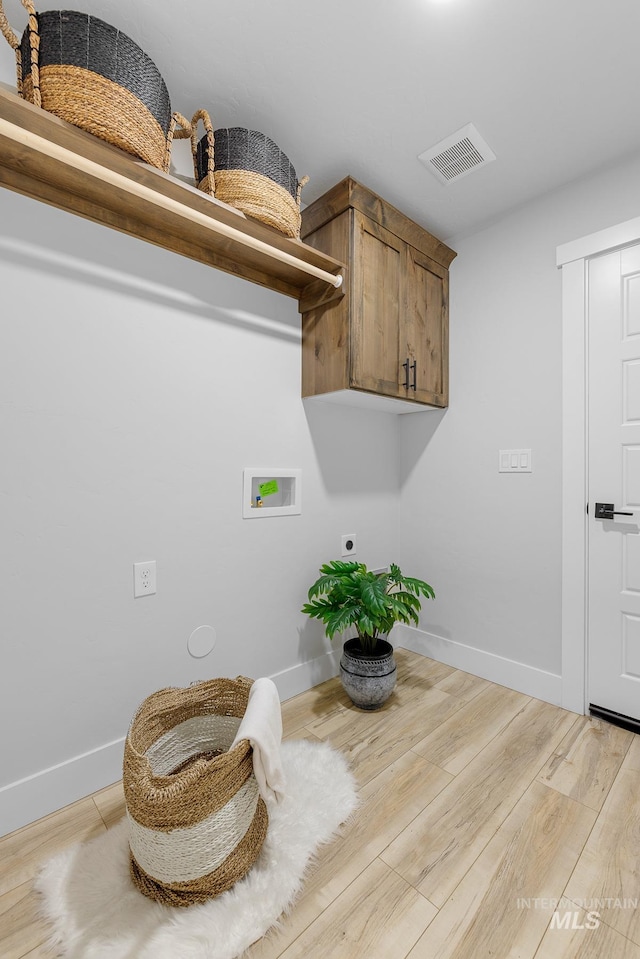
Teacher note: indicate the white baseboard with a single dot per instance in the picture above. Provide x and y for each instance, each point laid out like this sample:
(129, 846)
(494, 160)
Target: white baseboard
(303, 676)
(506, 672)
(44, 792)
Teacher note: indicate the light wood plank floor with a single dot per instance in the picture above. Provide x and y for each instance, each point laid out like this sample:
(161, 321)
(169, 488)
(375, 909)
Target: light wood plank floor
(479, 807)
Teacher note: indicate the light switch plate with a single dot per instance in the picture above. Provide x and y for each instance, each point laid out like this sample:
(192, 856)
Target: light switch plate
(514, 461)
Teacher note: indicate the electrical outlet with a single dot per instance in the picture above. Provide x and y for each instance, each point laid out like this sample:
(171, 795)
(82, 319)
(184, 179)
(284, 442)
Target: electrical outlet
(348, 544)
(144, 578)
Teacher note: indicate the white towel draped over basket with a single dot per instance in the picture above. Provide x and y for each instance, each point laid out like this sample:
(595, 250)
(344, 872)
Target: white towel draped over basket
(262, 726)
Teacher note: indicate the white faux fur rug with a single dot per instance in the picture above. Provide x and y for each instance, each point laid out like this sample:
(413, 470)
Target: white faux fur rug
(97, 913)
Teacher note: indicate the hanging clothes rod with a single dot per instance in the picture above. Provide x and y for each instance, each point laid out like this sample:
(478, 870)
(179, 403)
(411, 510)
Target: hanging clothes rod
(56, 152)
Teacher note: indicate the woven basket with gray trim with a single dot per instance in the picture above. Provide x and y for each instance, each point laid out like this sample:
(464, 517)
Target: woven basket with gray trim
(94, 76)
(196, 818)
(247, 170)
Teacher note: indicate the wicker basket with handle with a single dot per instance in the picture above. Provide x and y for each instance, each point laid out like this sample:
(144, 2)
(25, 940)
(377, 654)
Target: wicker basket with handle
(247, 170)
(94, 76)
(196, 819)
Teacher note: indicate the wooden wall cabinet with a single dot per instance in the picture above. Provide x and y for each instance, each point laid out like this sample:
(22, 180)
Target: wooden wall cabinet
(385, 344)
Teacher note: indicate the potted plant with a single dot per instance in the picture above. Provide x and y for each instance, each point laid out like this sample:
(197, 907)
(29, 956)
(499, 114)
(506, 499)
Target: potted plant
(346, 595)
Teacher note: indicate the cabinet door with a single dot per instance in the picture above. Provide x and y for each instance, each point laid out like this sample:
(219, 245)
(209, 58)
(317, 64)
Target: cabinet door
(425, 330)
(376, 308)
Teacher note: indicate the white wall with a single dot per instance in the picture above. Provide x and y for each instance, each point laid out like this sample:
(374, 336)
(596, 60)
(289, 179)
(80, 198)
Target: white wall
(490, 543)
(134, 387)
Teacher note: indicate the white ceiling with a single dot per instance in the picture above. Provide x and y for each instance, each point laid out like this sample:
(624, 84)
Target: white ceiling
(361, 87)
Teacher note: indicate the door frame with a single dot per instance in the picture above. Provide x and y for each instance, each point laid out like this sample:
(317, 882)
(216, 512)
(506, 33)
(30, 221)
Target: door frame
(573, 259)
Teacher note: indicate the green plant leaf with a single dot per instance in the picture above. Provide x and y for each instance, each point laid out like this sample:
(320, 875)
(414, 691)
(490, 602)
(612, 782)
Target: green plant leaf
(348, 594)
(373, 595)
(317, 610)
(340, 619)
(366, 626)
(408, 599)
(322, 585)
(418, 586)
(342, 568)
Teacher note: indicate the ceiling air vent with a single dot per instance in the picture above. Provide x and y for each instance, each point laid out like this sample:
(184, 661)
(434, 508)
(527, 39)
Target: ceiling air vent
(457, 155)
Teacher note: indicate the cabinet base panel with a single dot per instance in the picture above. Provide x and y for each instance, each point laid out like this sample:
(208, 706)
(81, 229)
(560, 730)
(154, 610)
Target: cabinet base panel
(370, 401)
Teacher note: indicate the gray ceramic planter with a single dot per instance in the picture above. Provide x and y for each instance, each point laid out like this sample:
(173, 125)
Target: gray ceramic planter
(368, 678)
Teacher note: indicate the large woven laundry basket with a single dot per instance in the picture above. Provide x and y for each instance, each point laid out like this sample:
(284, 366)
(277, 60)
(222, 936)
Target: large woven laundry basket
(196, 819)
(247, 170)
(94, 76)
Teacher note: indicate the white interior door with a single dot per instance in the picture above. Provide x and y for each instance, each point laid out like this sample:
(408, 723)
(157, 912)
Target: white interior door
(613, 301)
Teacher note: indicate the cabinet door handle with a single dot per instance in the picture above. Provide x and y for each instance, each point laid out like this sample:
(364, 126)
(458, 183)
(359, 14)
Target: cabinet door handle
(415, 375)
(405, 367)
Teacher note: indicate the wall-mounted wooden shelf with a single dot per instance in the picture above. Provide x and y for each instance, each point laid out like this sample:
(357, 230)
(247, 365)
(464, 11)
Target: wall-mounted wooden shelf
(48, 159)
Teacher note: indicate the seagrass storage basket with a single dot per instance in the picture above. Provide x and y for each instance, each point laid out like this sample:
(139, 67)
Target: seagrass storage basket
(94, 76)
(247, 170)
(196, 819)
